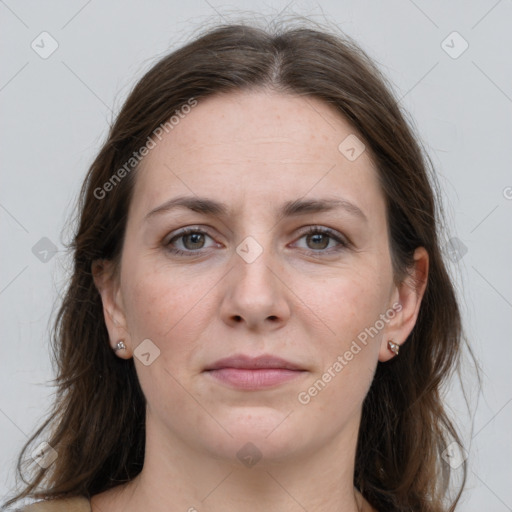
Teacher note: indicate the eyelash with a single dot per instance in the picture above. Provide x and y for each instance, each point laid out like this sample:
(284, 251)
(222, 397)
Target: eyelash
(312, 230)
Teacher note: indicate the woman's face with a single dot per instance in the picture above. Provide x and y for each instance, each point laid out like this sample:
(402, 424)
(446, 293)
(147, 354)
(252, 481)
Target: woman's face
(253, 282)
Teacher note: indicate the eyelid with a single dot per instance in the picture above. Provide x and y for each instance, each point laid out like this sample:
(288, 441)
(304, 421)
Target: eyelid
(187, 230)
(342, 241)
(316, 228)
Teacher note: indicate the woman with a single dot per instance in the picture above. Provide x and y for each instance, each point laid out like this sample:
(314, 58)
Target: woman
(259, 316)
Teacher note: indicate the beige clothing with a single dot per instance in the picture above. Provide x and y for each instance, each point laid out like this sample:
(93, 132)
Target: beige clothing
(76, 504)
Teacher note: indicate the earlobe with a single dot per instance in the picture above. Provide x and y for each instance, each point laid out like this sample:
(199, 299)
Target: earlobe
(389, 349)
(393, 347)
(113, 313)
(410, 295)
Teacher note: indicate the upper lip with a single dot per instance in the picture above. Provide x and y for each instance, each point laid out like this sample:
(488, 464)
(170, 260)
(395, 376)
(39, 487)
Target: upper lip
(253, 363)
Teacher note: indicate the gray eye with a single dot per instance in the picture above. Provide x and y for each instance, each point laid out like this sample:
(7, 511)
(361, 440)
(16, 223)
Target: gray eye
(196, 240)
(319, 240)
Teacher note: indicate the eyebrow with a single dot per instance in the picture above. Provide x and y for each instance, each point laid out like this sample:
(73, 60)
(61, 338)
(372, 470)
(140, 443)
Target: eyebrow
(297, 207)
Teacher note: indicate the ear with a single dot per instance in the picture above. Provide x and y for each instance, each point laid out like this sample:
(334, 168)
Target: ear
(408, 294)
(107, 283)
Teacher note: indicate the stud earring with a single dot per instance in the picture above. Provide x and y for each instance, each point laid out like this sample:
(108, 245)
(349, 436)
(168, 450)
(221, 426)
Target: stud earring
(120, 346)
(394, 347)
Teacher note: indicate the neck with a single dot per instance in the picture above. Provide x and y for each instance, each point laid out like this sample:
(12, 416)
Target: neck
(179, 477)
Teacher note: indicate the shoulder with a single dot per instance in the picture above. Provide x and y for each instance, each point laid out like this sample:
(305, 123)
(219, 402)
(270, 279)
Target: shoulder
(75, 504)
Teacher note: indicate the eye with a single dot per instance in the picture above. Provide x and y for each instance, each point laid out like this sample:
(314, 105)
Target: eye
(318, 239)
(190, 240)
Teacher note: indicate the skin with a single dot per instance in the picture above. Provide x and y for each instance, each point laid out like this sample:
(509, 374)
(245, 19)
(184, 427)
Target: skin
(253, 151)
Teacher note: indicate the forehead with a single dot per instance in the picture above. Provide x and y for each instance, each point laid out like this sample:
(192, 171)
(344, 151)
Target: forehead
(258, 144)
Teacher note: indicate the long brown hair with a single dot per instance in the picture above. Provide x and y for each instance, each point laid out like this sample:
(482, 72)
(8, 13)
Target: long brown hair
(97, 423)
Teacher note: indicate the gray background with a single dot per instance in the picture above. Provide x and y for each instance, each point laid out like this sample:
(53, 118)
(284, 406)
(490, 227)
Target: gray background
(55, 113)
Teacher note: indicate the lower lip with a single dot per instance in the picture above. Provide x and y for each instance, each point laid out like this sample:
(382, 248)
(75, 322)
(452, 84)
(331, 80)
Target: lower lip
(259, 378)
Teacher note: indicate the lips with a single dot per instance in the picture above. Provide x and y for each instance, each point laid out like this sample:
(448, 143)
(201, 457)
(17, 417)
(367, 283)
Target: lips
(253, 373)
(253, 363)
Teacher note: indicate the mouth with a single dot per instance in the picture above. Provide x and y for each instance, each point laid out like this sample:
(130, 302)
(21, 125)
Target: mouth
(252, 373)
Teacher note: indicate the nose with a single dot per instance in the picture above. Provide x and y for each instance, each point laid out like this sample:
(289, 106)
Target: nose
(256, 293)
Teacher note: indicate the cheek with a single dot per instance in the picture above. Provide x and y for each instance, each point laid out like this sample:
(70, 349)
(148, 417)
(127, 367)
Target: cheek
(348, 302)
(165, 307)
(168, 307)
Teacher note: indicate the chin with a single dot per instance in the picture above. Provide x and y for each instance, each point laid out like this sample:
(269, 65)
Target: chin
(259, 433)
